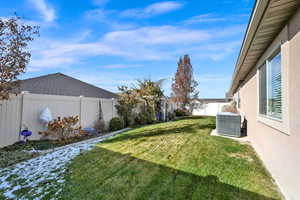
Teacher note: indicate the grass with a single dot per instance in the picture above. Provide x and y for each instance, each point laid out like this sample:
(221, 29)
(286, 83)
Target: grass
(174, 160)
(8, 158)
(19, 152)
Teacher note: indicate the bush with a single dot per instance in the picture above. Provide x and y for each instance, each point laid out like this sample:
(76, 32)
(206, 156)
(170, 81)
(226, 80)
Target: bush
(99, 125)
(181, 112)
(145, 117)
(230, 108)
(171, 115)
(63, 128)
(116, 123)
(141, 119)
(125, 111)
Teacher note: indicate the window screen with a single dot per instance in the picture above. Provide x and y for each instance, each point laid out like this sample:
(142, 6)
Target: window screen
(274, 86)
(270, 88)
(263, 90)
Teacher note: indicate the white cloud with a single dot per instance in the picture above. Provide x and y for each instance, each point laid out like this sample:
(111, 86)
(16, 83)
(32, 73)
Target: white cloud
(100, 2)
(162, 7)
(106, 80)
(153, 43)
(47, 11)
(152, 10)
(215, 51)
(157, 35)
(209, 78)
(63, 54)
(98, 14)
(204, 18)
(106, 17)
(120, 66)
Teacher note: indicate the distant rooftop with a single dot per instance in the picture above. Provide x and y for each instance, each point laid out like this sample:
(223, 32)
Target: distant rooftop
(61, 84)
(213, 100)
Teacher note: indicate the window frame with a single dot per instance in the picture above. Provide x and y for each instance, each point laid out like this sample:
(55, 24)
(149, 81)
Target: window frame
(266, 64)
(283, 124)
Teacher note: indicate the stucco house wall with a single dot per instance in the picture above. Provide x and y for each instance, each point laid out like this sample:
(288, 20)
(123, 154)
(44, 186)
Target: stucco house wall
(278, 143)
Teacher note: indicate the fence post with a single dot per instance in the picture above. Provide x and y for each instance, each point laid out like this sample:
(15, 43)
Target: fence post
(23, 93)
(112, 107)
(80, 109)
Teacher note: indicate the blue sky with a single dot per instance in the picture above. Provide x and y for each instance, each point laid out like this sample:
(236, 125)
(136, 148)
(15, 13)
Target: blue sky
(114, 42)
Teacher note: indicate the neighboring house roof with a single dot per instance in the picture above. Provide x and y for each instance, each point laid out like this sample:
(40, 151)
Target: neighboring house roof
(61, 84)
(213, 100)
(267, 20)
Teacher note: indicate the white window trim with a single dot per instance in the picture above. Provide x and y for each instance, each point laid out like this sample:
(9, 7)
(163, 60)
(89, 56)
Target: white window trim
(282, 124)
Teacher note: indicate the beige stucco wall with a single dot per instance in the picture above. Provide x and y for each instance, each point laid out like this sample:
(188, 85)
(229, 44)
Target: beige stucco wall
(278, 143)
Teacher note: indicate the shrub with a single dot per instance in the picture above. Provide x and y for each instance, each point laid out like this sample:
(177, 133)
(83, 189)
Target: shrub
(171, 115)
(141, 118)
(181, 112)
(230, 108)
(99, 125)
(125, 111)
(116, 123)
(150, 116)
(146, 116)
(63, 128)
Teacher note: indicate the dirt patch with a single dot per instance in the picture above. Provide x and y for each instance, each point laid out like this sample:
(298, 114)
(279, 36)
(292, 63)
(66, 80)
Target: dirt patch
(241, 156)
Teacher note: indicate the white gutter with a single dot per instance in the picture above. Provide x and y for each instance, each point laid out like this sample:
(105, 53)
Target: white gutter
(255, 20)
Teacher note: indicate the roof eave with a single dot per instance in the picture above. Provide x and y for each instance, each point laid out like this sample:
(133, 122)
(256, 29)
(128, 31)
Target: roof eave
(267, 20)
(255, 18)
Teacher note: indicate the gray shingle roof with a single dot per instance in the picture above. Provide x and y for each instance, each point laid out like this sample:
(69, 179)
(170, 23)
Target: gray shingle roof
(61, 84)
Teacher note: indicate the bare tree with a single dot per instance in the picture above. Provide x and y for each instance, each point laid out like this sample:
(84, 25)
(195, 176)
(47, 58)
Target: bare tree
(184, 85)
(14, 55)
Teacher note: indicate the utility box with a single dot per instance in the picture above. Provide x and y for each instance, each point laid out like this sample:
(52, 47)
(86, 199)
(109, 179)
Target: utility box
(229, 124)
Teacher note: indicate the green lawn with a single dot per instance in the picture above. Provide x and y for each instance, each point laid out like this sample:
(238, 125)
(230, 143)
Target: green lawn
(174, 160)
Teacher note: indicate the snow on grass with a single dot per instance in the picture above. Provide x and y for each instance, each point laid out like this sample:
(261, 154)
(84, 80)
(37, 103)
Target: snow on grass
(42, 176)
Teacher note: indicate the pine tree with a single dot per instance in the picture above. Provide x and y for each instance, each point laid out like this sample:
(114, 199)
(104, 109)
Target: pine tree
(184, 85)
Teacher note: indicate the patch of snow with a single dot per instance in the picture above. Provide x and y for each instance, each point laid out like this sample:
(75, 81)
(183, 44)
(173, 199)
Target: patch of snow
(44, 173)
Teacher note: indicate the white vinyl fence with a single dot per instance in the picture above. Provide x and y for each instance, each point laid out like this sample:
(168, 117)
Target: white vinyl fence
(208, 109)
(24, 111)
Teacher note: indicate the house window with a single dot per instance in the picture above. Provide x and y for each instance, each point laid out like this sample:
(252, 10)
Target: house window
(270, 87)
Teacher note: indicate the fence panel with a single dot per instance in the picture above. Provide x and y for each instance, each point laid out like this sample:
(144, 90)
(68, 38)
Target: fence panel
(89, 111)
(24, 111)
(34, 104)
(10, 120)
(208, 109)
(108, 110)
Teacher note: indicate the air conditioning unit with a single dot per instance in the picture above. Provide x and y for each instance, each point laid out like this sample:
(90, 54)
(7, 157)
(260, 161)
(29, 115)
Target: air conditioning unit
(229, 124)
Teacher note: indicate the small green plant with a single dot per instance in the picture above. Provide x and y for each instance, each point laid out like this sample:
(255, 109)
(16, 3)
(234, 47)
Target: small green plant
(99, 125)
(171, 115)
(146, 116)
(116, 123)
(141, 119)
